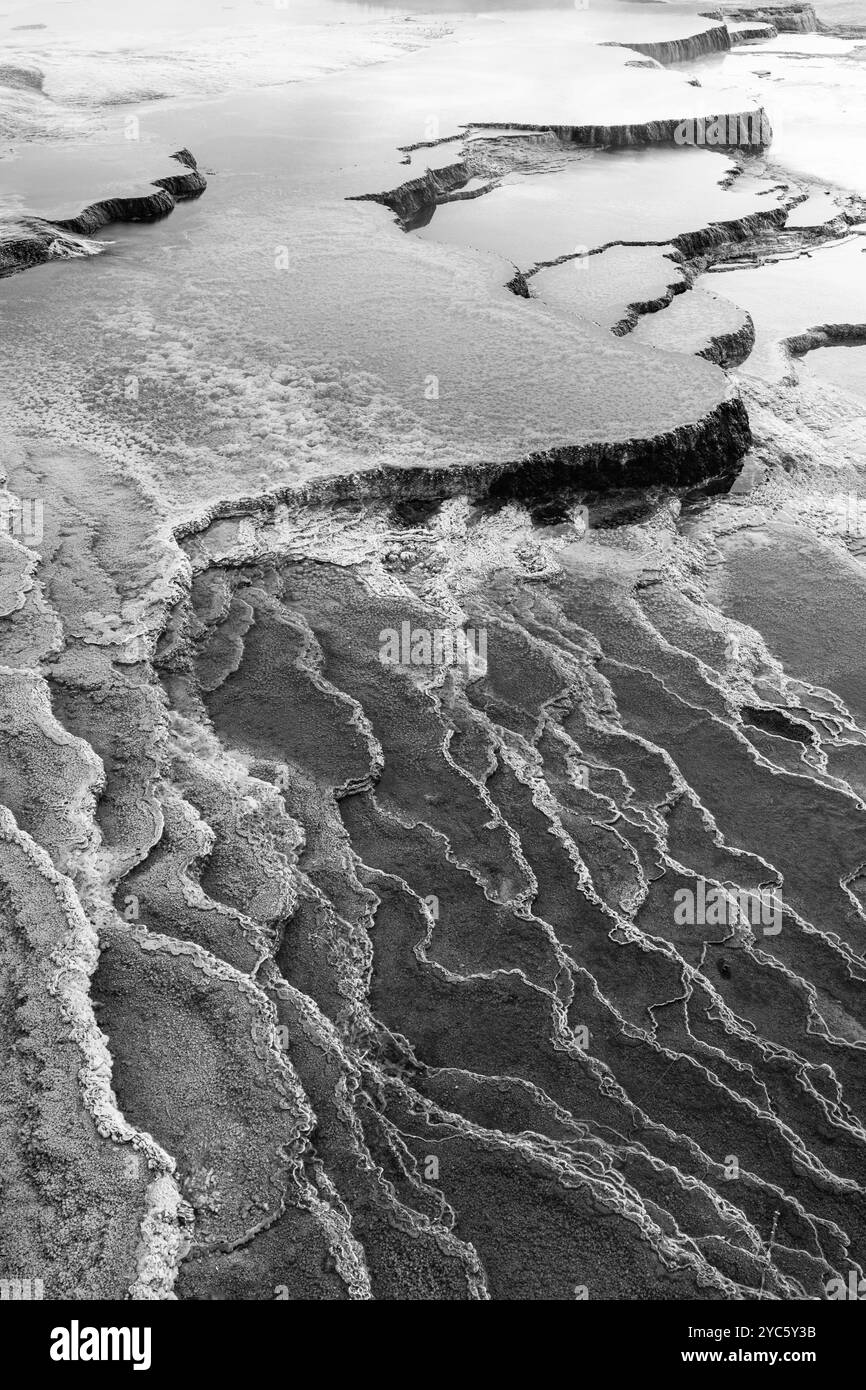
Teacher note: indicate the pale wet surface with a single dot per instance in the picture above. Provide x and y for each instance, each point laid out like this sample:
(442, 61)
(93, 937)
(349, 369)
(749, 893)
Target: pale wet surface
(89, 55)
(265, 324)
(599, 196)
(813, 87)
(827, 285)
(807, 599)
(815, 211)
(841, 366)
(55, 184)
(601, 287)
(690, 323)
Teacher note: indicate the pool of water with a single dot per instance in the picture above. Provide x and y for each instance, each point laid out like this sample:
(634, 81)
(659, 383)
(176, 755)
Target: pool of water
(600, 195)
(827, 285)
(813, 87)
(844, 367)
(272, 331)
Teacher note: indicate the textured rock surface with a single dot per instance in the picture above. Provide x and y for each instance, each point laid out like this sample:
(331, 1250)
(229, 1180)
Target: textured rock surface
(470, 984)
(87, 1204)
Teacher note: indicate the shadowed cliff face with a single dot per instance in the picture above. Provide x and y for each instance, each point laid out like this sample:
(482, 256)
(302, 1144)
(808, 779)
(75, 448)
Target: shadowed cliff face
(712, 40)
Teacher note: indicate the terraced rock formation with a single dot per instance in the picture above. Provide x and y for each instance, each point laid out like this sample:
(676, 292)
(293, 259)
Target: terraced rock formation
(826, 335)
(685, 50)
(29, 241)
(785, 18)
(345, 822)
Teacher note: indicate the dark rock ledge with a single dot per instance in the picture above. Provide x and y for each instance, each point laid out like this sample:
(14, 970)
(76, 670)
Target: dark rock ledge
(825, 335)
(710, 447)
(690, 249)
(31, 241)
(414, 202)
(686, 50)
(786, 18)
(731, 349)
